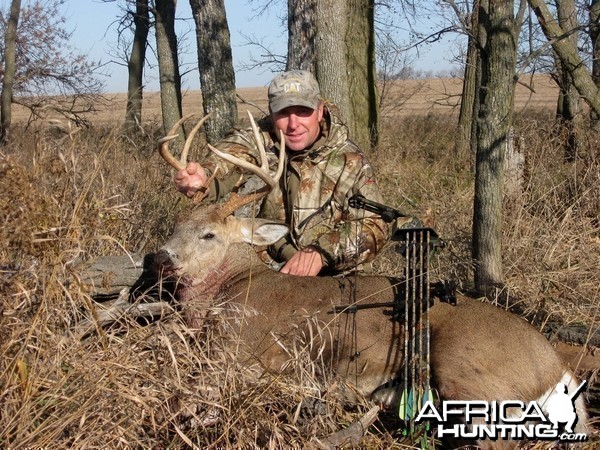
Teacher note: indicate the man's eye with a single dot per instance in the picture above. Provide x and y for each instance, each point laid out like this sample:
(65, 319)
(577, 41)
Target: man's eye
(304, 111)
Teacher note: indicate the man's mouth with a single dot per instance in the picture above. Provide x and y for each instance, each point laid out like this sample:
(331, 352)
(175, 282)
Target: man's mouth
(294, 137)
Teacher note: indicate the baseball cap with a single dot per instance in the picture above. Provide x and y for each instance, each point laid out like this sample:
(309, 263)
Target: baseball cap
(294, 88)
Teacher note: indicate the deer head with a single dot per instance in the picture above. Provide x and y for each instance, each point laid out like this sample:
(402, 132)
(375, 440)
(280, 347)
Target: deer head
(203, 249)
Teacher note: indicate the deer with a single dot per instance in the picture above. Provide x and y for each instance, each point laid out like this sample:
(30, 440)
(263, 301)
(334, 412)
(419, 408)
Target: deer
(477, 350)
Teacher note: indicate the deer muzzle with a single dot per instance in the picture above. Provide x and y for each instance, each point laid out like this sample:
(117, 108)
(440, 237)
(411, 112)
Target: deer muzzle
(163, 264)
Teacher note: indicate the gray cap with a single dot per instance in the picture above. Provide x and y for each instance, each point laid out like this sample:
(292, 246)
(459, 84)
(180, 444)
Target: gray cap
(294, 88)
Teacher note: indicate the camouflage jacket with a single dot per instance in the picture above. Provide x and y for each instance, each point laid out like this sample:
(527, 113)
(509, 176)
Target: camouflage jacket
(312, 196)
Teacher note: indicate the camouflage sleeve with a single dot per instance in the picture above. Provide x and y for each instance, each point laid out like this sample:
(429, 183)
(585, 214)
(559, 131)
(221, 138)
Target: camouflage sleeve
(356, 236)
(283, 249)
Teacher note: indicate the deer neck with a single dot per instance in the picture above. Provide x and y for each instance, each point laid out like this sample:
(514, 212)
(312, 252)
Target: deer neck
(239, 261)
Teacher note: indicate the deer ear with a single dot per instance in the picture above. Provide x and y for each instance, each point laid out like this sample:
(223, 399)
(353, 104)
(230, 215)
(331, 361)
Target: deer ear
(262, 232)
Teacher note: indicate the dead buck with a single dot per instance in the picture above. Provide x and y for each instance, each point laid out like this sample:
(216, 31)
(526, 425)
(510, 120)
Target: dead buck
(478, 351)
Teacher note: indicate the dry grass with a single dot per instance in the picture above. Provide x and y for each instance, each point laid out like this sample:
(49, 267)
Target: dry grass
(156, 385)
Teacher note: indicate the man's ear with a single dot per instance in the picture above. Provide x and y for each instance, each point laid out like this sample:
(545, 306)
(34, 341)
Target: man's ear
(262, 231)
(321, 109)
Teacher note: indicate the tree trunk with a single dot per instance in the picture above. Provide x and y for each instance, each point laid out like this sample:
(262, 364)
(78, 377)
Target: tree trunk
(498, 63)
(168, 66)
(360, 44)
(595, 37)
(135, 67)
(345, 50)
(10, 69)
(302, 31)
(215, 64)
(466, 116)
(476, 101)
(568, 110)
(332, 17)
(568, 54)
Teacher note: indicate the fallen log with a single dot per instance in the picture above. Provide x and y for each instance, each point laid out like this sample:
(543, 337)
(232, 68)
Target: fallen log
(107, 276)
(121, 287)
(112, 311)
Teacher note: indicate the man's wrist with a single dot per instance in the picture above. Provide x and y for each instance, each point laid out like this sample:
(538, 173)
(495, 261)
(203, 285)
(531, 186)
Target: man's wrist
(316, 249)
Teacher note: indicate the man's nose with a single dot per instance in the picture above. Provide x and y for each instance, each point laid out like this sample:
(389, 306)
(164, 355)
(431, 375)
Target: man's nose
(293, 121)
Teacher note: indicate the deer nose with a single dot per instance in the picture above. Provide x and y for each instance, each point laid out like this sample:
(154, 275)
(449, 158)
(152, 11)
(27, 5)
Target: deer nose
(163, 262)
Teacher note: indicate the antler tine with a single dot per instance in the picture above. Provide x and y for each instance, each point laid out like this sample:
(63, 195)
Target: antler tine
(163, 150)
(263, 154)
(188, 142)
(163, 147)
(281, 164)
(202, 193)
(264, 163)
(261, 171)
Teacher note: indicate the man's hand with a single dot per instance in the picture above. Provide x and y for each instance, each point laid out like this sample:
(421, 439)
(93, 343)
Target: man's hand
(191, 179)
(304, 263)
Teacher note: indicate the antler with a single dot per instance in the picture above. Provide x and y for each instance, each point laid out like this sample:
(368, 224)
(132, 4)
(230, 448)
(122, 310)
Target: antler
(236, 201)
(163, 143)
(163, 149)
(262, 171)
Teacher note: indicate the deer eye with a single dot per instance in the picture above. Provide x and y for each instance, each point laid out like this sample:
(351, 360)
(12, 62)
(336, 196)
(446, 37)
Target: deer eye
(208, 236)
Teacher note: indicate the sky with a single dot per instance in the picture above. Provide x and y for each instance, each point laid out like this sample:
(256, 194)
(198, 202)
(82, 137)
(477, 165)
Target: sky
(94, 33)
(93, 24)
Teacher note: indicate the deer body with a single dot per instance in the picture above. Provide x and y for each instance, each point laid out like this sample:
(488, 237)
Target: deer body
(277, 304)
(478, 351)
(469, 358)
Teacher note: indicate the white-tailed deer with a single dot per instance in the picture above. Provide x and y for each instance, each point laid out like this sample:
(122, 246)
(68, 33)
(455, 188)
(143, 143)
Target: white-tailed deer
(478, 351)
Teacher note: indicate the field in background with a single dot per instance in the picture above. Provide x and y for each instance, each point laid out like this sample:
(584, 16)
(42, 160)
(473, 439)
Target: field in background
(67, 198)
(405, 98)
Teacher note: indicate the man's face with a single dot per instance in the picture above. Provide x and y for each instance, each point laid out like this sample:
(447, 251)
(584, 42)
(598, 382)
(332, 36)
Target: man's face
(300, 125)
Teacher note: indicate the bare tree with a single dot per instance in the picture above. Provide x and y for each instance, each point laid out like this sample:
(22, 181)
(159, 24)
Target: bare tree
(215, 64)
(498, 37)
(49, 76)
(568, 54)
(360, 47)
(168, 64)
(594, 22)
(331, 52)
(568, 110)
(469, 99)
(10, 68)
(345, 49)
(393, 63)
(135, 65)
(301, 35)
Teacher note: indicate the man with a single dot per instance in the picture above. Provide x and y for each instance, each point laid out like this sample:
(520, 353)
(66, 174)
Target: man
(323, 170)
